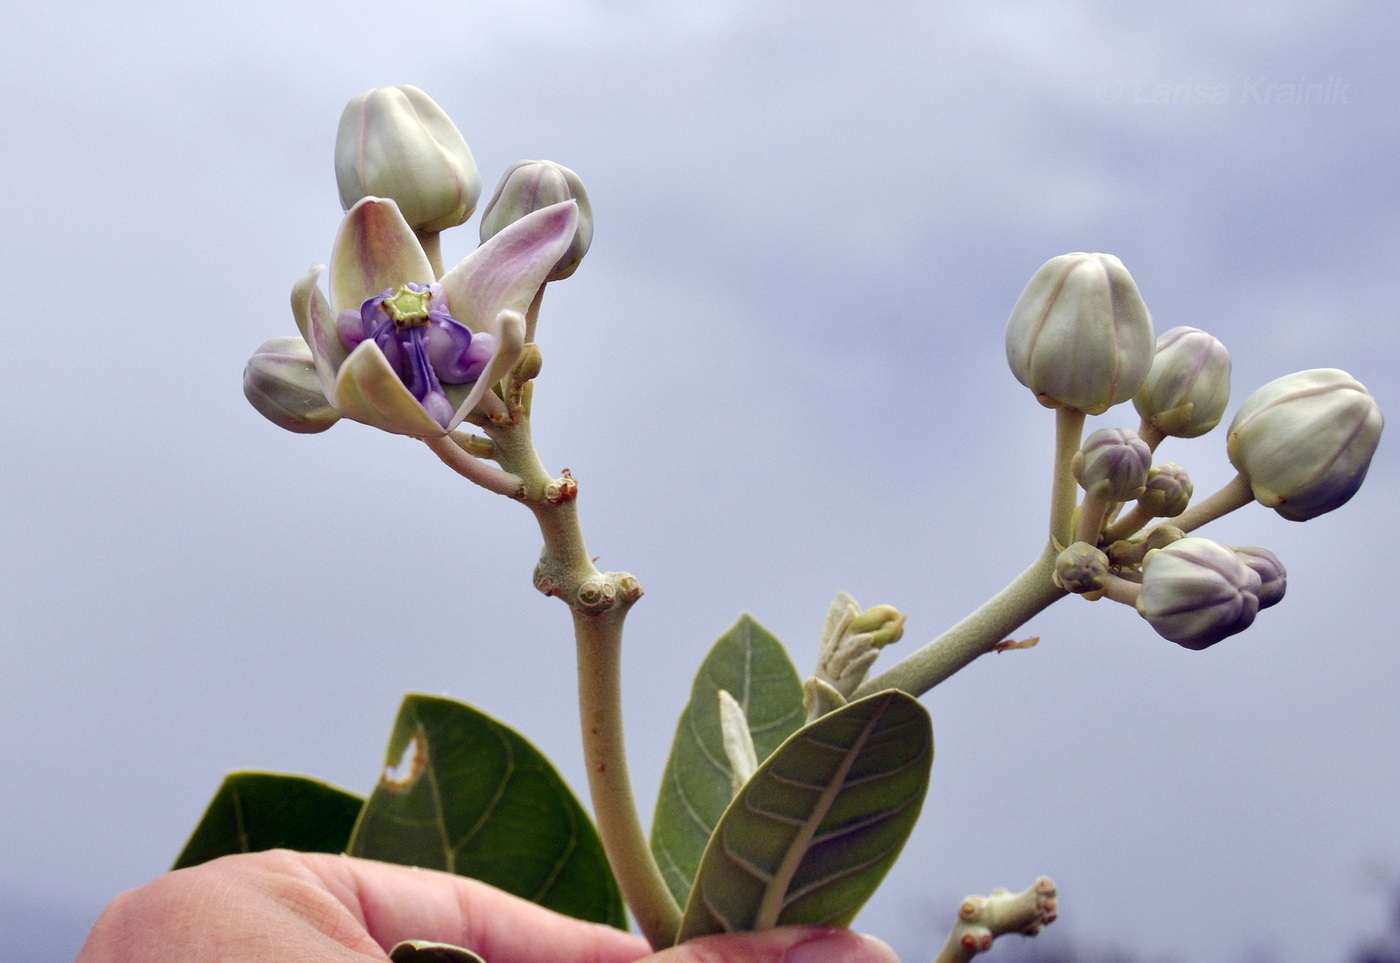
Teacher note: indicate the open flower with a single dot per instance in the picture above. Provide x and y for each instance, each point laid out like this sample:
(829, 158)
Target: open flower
(397, 348)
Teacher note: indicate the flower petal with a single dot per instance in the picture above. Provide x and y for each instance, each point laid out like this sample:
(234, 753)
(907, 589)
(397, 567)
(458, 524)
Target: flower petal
(368, 390)
(375, 249)
(511, 328)
(316, 322)
(505, 272)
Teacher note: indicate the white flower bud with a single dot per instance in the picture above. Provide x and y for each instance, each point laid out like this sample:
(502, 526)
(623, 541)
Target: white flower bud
(394, 142)
(1080, 336)
(1305, 440)
(530, 185)
(1196, 592)
(1168, 491)
(1112, 464)
(1273, 579)
(1188, 386)
(281, 382)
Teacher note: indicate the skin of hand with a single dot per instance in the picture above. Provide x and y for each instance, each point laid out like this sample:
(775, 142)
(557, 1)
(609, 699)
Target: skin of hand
(285, 907)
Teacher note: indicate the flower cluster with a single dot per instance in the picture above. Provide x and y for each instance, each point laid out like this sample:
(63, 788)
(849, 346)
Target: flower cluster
(399, 344)
(1082, 340)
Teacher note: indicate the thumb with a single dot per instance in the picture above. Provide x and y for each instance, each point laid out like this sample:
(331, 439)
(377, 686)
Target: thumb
(787, 944)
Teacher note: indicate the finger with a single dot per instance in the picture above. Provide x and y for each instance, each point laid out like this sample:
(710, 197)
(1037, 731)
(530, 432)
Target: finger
(401, 903)
(788, 944)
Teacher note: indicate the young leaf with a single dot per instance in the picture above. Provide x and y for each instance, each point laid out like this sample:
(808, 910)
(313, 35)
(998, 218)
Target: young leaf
(752, 666)
(811, 835)
(464, 793)
(254, 811)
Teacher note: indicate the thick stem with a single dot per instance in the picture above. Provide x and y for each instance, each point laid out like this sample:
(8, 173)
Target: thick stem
(1031, 592)
(1069, 430)
(604, 751)
(981, 919)
(1237, 493)
(599, 603)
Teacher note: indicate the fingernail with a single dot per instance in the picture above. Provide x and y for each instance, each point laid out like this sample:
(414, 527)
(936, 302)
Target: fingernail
(840, 946)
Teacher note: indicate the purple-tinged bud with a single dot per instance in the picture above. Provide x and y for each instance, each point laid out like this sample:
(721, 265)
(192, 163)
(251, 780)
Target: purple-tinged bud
(394, 142)
(1273, 579)
(1196, 592)
(1113, 464)
(530, 185)
(281, 382)
(1168, 491)
(1188, 386)
(1305, 441)
(1083, 570)
(1080, 336)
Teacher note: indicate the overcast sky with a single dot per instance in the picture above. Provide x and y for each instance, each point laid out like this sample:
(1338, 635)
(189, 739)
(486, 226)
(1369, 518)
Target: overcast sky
(778, 374)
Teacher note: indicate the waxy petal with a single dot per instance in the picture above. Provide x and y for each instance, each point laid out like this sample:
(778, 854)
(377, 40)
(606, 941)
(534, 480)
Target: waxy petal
(375, 249)
(510, 328)
(505, 273)
(316, 322)
(368, 390)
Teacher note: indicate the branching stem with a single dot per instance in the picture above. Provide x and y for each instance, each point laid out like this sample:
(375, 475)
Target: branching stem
(599, 602)
(979, 633)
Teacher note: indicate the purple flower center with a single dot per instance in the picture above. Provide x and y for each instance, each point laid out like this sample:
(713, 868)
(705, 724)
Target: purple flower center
(424, 344)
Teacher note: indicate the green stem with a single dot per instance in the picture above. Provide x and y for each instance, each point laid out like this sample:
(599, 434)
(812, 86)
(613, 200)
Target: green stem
(599, 602)
(604, 750)
(1069, 430)
(431, 243)
(1128, 525)
(1030, 593)
(474, 469)
(1237, 493)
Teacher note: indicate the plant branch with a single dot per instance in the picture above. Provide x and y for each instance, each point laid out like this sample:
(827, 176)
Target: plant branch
(1031, 592)
(981, 919)
(599, 602)
(1236, 493)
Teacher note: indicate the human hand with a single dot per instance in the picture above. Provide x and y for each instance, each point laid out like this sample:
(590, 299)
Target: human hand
(313, 908)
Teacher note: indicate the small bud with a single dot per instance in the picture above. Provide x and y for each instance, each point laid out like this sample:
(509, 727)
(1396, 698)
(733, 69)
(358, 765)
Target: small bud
(1188, 386)
(1080, 336)
(1273, 579)
(1305, 441)
(851, 641)
(1083, 570)
(1196, 592)
(1168, 491)
(281, 382)
(1113, 464)
(884, 623)
(528, 186)
(394, 142)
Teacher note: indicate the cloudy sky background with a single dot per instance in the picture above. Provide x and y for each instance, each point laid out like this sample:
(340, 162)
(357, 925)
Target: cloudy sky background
(779, 373)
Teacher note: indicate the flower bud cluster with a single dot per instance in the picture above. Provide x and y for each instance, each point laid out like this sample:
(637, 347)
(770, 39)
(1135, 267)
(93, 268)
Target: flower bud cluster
(1081, 338)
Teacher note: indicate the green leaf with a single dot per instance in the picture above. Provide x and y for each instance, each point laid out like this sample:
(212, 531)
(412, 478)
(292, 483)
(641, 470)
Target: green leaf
(753, 667)
(810, 836)
(254, 811)
(423, 951)
(463, 793)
